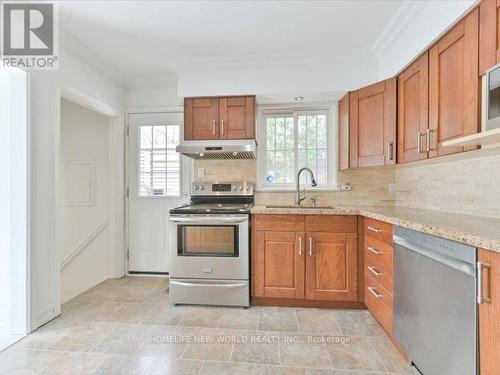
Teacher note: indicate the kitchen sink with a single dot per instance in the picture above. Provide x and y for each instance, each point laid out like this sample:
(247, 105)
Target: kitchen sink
(304, 207)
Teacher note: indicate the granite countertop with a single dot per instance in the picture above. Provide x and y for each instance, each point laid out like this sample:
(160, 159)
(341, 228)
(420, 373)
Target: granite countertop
(472, 230)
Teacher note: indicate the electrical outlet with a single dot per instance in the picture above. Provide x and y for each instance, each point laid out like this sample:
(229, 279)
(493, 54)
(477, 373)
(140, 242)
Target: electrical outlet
(201, 172)
(392, 188)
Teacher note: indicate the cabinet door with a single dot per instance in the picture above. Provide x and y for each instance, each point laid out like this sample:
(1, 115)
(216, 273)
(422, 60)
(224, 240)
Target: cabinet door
(331, 266)
(454, 86)
(278, 264)
(373, 125)
(344, 132)
(201, 116)
(237, 117)
(413, 110)
(489, 315)
(489, 34)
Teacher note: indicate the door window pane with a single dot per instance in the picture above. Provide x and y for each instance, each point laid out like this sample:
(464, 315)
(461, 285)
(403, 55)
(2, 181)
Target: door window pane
(159, 163)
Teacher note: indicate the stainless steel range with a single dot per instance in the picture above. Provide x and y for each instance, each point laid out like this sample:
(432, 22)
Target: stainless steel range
(209, 246)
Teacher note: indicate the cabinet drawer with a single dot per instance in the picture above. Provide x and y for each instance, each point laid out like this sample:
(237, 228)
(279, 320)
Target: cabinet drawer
(378, 230)
(379, 302)
(380, 251)
(379, 272)
(279, 222)
(332, 224)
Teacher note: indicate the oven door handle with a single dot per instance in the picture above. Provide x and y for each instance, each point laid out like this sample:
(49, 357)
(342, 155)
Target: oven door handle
(195, 285)
(207, 219)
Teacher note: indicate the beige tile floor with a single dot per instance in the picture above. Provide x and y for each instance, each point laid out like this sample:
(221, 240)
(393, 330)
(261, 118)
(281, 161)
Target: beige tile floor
(126, 326)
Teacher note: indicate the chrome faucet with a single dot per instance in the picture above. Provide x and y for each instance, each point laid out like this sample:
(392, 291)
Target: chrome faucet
(299, 198)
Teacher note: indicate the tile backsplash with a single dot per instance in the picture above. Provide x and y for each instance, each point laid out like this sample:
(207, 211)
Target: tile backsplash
(369, 185)
(467, 183)
(226, 170)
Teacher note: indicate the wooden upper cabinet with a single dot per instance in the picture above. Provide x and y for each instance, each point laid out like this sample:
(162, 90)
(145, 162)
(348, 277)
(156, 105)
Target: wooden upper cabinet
(454, 86)
(237, 117)
(372, 125)
(489, 315)
(201, 116)
(331, 266)
(278, 264)
(413, 110)
(219, 118)
(489, 34)
(344, 132)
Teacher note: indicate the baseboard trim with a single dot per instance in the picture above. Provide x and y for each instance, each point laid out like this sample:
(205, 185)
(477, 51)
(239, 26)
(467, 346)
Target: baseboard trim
(290, 302)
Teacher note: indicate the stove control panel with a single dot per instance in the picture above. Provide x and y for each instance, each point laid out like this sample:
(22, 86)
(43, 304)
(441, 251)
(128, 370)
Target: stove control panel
(222, 188)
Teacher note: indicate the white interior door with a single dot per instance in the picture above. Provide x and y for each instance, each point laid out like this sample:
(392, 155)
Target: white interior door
(158, 179)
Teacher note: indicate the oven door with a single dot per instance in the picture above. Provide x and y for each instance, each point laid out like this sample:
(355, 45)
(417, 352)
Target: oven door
(209, 247)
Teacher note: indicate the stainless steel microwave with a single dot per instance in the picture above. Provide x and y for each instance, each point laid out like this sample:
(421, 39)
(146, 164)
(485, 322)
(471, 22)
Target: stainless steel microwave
(491, 99)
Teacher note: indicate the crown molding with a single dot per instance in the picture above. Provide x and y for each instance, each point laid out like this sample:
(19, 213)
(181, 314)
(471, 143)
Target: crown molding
(408, 10)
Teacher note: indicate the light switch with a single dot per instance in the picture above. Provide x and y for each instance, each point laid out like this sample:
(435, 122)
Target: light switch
(201, 172)
(392, 188)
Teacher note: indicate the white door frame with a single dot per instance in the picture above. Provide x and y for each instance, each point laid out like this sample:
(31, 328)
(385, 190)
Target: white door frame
(136, 111)
(116, 188)
(20, 324)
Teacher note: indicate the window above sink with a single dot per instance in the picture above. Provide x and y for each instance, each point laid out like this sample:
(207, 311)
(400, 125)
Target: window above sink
(290, 140)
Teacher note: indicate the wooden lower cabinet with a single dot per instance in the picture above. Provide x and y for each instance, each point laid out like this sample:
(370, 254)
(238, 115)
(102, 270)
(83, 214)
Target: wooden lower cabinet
(291, 262)
(379, 278)
(278, 262)
(379, 302)
(489, 314)
(331, 266)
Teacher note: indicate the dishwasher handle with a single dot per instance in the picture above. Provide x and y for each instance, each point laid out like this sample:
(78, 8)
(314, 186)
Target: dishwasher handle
(457, 264)
(480, 298)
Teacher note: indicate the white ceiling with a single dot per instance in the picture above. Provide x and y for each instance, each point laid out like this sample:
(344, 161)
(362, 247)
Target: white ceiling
(149, 42)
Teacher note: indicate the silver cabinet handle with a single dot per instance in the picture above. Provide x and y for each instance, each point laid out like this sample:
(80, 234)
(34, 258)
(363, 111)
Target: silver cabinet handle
(213, 127)
(480, 298)
(374, 271)
(373, 229)
(300, 246)
(374, 292)
(419, 142)
(390, 150)
(428, 139)
(310, 246)
(374, 251)
(222, 127)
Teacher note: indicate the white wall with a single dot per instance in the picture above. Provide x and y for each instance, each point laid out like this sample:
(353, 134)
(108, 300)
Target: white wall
(4, 198)
(13, 200)
(151, 98)
(344, 71)
(44, 116)
(84, 138)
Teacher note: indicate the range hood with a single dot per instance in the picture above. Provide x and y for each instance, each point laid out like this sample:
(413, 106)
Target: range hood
(217, 149)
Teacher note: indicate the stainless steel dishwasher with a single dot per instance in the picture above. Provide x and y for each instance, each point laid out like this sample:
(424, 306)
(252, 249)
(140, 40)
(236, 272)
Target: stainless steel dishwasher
(435, 310)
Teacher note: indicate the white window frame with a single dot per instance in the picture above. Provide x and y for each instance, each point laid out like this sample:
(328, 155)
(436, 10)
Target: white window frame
(331, 161)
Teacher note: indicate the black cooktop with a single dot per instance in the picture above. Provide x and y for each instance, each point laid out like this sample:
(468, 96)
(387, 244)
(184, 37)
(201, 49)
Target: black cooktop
(215, 205)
